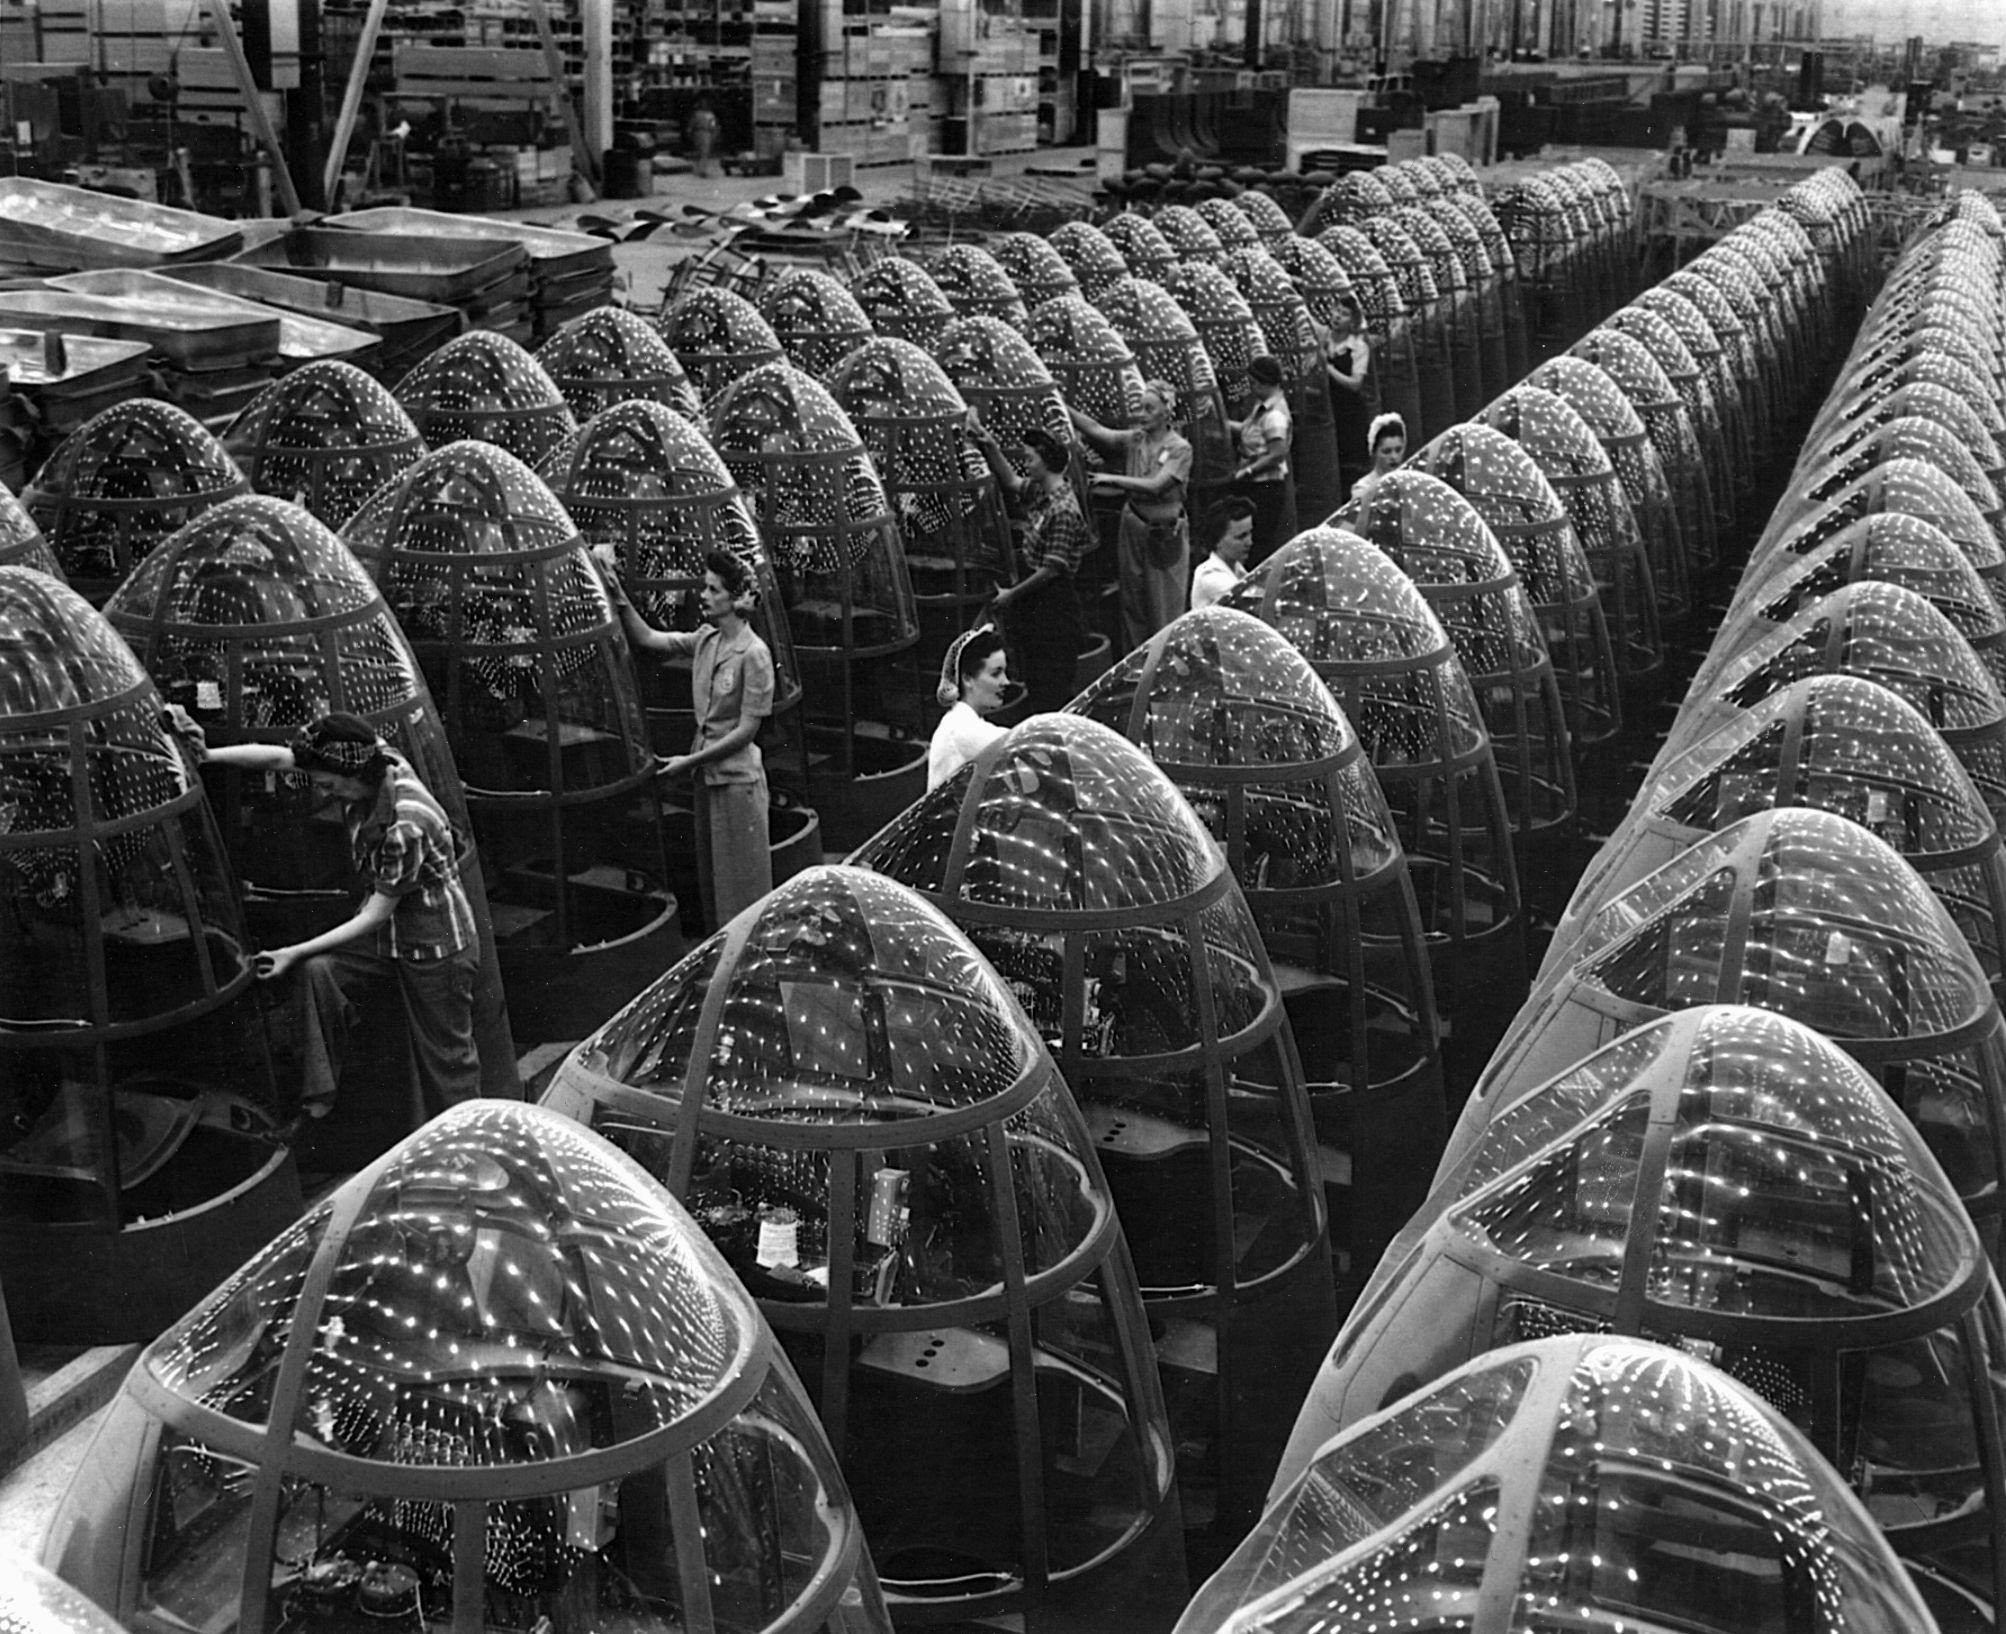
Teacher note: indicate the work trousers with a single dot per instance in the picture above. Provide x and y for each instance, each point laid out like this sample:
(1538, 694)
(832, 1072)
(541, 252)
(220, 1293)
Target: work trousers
(438, 997)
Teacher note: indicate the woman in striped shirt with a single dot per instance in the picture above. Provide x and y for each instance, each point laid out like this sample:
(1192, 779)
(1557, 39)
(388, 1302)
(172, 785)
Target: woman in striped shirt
(415, 927)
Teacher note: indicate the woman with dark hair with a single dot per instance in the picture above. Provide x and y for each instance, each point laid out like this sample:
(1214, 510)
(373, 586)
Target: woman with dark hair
(973, 678)
(1264, 475)
(1354, 389)
(1042, 609)
(416, 926)
(1387, 441)
(731, 686)
(1154, 545)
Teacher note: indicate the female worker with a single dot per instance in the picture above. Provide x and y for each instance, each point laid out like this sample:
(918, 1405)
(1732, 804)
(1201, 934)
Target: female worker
(1042, 609)
(415, 927)
(1154, 545)
(973, 678)
(1387, 441)
(731, 687)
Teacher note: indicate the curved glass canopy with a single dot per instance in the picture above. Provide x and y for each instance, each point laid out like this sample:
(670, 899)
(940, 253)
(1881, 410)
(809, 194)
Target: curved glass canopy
(1373, 640)
(21, 542)
(1320, 280)
(1830, 465)
(1096, 372)
(1835, 743)
(1466, 1493)
(1086, 879)
(819, 322)
(611, 355)
(1253, 739)
(1230, 226)
(1283, 318)
(642, 479)
(1093, 256)
(326, 437)
(901, 300)
(1509, 492)
(33, 1600)
(1438, 539)
(1270, 221)
(1951, 396)
(1039, 271)
(1565, 452)
(122, 482)
(1212, 299)
(483, 387)
(717, 335)
(976, 285)
(1167, 348)
(998, 374)
(823, 513)
(1888, 634)
(1189, 235)
(498, 1378)
(949, 507)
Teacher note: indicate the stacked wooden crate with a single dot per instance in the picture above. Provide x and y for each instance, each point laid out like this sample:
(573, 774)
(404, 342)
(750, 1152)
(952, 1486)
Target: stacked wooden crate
(776, 82)
(17, 33)
(877, 85)
(135, 44)
(989, 62)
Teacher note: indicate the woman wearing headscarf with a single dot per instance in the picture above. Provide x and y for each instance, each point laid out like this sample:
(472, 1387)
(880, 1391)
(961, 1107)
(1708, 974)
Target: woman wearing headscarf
(973, 678)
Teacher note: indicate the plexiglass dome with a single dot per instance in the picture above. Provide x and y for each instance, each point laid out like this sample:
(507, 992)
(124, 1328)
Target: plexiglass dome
(950, 510)
(121, 483)
(1828, 467)
(21, 542)
(717, 336)
(1254, 740)
(512, 624)
(646, 481)
(1095, 370)
(1280, 314)
(1230, 226)
(1189, 235)
(1835, 743)
(823, 513)
(258, 621)
(500, 1370)
(1039, 271)
(901, 300)
(976, 285)
(1623, 560)
(1167, 348)
(1086, 879)
(1092, 255)
(483, 387)
(1437, 538)
(818, 321)
(1270, 221)
(1319, 279)
(855, 1108)
(1802, 912)
(34, 1600)
(1508, 491)
(1467, 1494)
(326, 437)
(1725, 1180)
(1387, 320)
(997, 373)
(610, 355)
(1372, 639)
(1976, 422)
(1619, 430)
(1887, 634)
(1219, 312)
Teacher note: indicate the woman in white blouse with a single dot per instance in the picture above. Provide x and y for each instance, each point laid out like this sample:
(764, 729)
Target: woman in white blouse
(973, 678)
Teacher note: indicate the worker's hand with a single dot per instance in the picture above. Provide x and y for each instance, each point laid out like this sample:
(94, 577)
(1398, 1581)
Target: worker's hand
(677, 766)
(187, 728)
(274, 963)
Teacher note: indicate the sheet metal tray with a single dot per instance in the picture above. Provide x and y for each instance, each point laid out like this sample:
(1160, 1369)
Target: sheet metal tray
(403, 324)
(553, 252)
(425, 268)
(179, 331)
(301, 339)
(68, 229)
(91, 363)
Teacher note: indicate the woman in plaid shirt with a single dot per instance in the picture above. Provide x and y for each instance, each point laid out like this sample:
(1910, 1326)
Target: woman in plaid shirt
(415, 927)
(1041, 611)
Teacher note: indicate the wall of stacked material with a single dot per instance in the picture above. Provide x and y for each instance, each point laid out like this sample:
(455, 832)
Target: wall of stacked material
(120, 484)
(1371, 637)
(501, 1370)
(1086, 879)
(902, 300)
(325, 438)
(1605, 516)
(717, 336)
(610, 356)
(257, 621)
(525, 656)
(132, 1066)
(483, 387)
(1525, 1239)
(1473, 1490)
(851, 1102)
(1239, 720)
(829, 527)
(1508, 491)
(818, 321)
(950, 511)
(1439, 541)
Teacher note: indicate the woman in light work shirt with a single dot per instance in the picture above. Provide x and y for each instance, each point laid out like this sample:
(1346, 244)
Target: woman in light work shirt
(731, 684)
(1263, 475)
